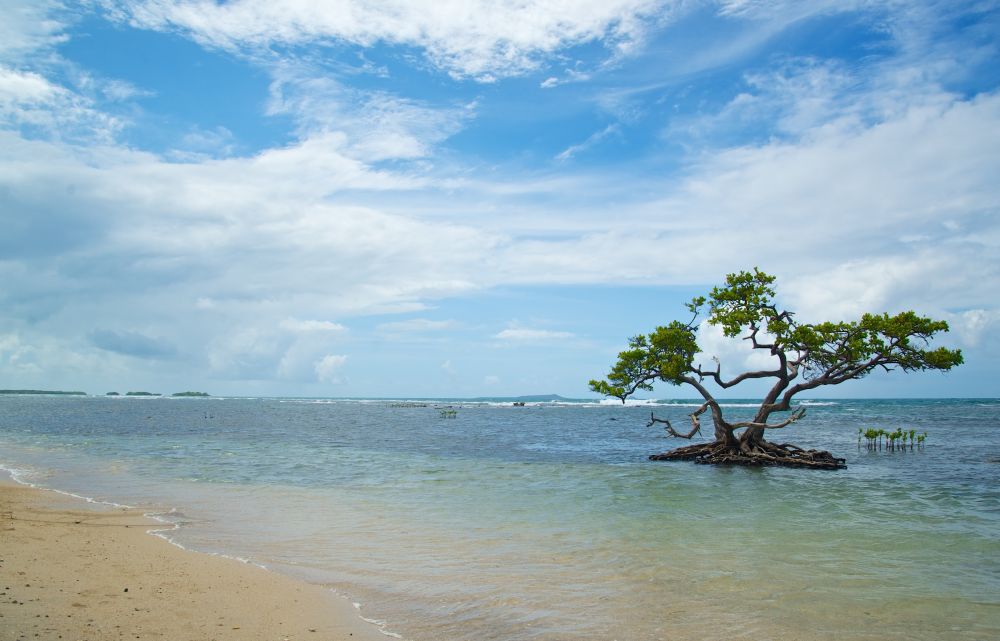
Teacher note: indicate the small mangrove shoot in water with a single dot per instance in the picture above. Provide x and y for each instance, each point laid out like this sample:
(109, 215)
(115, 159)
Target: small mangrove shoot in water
(804, 356)
(874, 439)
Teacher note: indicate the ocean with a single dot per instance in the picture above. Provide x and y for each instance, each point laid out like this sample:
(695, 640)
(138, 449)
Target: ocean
(448, 520)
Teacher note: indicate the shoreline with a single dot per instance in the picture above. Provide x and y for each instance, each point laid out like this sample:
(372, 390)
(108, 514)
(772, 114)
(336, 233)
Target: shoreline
(74, 569)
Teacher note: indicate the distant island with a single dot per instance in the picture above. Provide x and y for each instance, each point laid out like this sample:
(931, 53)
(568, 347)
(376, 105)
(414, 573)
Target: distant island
(198, 394)
(41, 392)
(141, 394)
(537, 398)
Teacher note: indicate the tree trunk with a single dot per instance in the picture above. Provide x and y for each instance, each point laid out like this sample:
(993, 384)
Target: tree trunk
(752, 437)
(748, 448)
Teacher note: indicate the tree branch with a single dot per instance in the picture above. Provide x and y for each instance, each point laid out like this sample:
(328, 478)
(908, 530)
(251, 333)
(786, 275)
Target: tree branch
(796, 415)
(752, 337)
(695, 425)
(717, 376)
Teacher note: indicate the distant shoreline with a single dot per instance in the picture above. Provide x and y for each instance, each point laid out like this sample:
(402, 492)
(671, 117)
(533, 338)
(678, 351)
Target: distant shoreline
(40, 392)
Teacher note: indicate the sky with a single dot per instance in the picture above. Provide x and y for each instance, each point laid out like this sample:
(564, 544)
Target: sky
(447, 198)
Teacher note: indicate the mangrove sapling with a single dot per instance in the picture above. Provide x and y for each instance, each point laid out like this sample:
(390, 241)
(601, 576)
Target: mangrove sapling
(804, 357)
(871, 436)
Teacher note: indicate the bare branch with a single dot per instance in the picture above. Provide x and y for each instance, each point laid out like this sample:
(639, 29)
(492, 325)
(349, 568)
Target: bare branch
(796, 415)
(752, 337)
(717, 376)
(696, 425)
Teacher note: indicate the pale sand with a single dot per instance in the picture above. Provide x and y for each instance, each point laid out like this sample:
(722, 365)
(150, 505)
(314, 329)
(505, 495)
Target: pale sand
(70, 570)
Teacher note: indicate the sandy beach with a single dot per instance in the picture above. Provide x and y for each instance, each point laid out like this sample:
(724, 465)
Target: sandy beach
(73, 570)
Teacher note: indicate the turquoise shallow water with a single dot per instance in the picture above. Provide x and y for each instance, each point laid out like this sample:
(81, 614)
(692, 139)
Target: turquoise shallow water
(547, 521)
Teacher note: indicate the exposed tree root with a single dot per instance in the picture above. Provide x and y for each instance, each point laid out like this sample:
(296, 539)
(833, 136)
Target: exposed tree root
(760, 454)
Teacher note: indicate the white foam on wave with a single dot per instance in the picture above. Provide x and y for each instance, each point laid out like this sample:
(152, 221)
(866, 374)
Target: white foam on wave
(629, 402)
(18, 476)
(174, 526)
(376, 622)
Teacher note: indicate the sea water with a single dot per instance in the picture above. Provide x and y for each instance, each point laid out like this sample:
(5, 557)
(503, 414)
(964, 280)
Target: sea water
(547, 521)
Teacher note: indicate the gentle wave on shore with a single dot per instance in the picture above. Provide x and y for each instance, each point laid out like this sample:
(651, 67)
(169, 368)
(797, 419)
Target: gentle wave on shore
(546, 521)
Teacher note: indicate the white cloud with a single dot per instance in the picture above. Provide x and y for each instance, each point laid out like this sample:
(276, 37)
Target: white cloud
(29, 26)
(524, 334)
(328, 368)
(25, 87)
(120, 91)
(203, 144)
(302, 326)
(377, 125)
(474, 38)
(855, 287)
(971, 326)
(315, 230)
(734, 355)
(28, 100)
(416, 325)
(592, 140)
(32, 359)
(245, 354)
(824, 214)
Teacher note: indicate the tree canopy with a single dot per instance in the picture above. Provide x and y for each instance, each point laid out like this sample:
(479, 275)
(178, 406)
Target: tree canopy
(806, 356)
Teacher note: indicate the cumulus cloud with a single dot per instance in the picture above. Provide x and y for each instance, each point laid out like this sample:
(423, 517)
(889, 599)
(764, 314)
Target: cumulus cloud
(328, 368)
(247, 353)
(973, 325)
(733, 355)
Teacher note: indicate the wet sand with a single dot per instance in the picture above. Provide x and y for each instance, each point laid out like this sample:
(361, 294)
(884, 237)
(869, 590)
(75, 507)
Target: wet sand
(77, 571)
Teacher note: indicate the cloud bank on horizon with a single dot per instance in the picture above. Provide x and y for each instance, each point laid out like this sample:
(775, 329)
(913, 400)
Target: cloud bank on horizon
(470, 198)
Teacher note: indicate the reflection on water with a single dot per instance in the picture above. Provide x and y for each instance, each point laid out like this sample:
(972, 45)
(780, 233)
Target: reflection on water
(547, 522)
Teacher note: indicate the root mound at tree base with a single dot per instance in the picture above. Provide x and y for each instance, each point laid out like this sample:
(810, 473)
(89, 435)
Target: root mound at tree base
(785, 455)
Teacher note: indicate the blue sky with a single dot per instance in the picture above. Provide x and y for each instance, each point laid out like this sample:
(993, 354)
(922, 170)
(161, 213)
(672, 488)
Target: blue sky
(481, 198)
